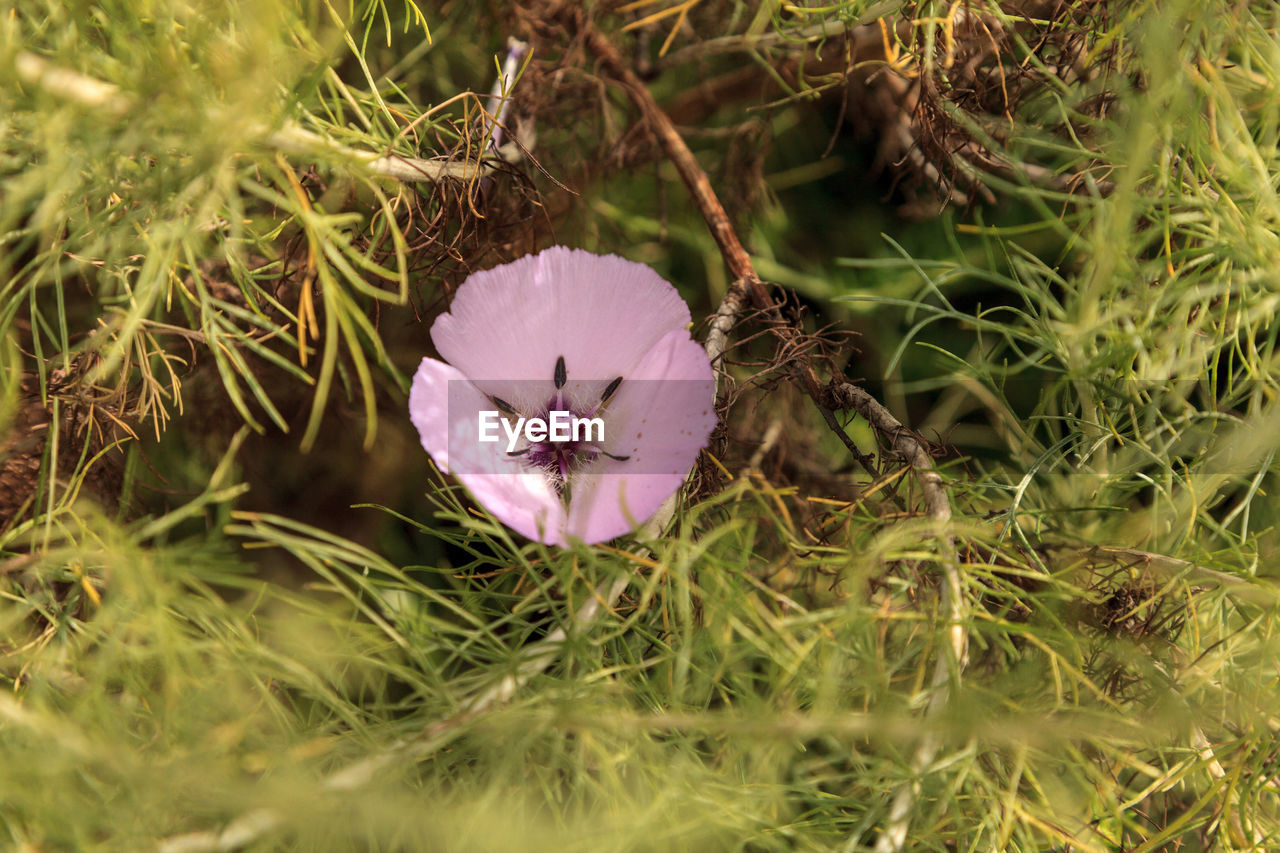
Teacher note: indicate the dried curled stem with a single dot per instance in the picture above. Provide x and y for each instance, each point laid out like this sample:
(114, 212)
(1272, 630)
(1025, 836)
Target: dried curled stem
(904, 442)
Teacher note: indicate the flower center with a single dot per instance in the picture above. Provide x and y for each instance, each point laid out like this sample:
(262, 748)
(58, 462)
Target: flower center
(558, 459)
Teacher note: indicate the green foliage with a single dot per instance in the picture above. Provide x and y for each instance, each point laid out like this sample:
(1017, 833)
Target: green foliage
(194, 657)
(144, 165)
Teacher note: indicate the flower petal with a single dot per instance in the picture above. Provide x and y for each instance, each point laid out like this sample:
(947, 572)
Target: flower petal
(660, 418)
(509, 324)
(445, 408)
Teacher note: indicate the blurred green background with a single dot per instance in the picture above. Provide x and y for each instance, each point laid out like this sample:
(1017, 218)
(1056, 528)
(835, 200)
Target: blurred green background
(240, 609)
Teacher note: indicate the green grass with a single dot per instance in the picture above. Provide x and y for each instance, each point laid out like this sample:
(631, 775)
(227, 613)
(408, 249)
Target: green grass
(235, 597)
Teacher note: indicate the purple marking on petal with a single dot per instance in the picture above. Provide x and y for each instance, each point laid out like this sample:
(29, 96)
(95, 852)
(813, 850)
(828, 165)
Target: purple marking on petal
(503, 406)
(609, 390)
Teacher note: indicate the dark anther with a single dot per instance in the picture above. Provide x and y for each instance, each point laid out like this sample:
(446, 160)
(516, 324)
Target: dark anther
(615, 458)
(521, 452)
(503, 406)
(562, 376)
(609, 389)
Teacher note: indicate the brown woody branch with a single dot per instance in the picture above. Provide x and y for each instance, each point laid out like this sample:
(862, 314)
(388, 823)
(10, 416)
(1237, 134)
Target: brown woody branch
(747, 287)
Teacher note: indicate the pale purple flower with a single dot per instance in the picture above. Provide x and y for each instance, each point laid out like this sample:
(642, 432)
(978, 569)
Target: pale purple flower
(565, 330)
